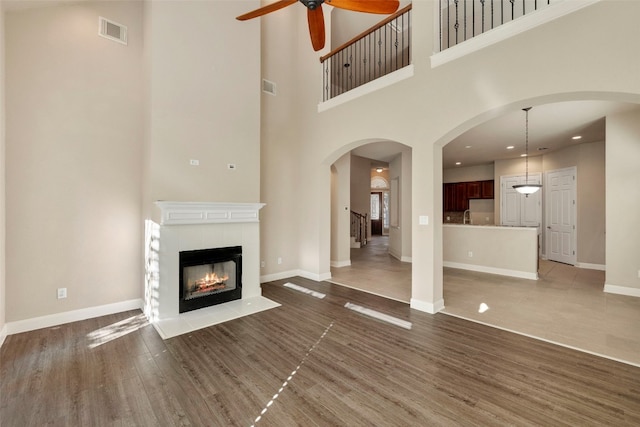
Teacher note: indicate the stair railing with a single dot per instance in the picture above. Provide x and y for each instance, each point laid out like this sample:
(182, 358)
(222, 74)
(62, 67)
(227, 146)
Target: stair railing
(359, 227)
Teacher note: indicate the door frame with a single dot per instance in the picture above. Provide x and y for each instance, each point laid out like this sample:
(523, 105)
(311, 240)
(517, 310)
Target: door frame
(573, 216)
(379, 221)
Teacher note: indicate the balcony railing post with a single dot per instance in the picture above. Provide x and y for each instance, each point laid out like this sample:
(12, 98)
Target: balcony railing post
(374, 53)
(484, 15)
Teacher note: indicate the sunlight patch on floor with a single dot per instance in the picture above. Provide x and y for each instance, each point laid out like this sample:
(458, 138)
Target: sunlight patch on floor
(116, 330)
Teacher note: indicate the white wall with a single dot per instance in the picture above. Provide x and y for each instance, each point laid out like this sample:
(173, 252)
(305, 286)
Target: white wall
(623, 203)
(73, 153)
(2, 182)
(360, 192)
(341, 211)
(434, 106)
(589, 160)
(204, 102)
(468, 173)
(509, 251)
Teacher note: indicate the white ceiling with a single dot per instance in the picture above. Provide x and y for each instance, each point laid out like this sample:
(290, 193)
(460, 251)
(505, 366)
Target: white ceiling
(551, 126)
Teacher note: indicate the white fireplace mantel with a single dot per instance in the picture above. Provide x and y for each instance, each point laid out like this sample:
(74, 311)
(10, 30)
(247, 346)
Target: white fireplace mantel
(186, 226)
(181, 213)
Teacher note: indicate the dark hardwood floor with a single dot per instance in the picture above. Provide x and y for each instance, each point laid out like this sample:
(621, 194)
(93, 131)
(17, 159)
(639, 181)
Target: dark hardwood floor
(310, 362)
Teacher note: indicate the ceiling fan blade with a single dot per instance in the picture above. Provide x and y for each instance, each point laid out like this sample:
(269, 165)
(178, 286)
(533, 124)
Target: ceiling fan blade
(266, 9)
(369, 6)
(315, 18)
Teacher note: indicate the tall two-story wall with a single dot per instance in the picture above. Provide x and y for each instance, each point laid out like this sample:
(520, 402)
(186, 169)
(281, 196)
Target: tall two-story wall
(73, 159)
(561, 60)
(97, 131)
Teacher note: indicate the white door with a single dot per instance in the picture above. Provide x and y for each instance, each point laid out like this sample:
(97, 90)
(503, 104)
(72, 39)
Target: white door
(517, 209)
(510, 203)
(560, 215)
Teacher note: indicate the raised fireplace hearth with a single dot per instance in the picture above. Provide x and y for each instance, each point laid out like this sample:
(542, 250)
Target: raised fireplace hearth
(209, 277)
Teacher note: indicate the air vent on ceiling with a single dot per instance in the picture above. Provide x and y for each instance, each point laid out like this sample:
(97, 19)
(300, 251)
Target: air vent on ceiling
(269, 87)
(112, 30)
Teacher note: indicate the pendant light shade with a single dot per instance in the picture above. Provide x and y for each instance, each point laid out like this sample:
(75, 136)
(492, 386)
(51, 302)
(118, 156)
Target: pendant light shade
(526, 188)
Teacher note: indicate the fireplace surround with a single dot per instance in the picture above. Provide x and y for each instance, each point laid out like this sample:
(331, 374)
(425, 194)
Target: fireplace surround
(194, 226)
(209, 277)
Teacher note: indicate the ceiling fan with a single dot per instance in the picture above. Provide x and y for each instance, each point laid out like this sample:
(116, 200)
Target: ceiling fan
(315, 17)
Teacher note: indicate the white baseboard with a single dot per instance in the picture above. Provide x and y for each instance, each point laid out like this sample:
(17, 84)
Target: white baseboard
(427, 307)
(492, 270)
(292, 273)
(340, 264)
(3, 334)
(622, 290)
(400, 257)
(586, 265)
(314, 276)
(71, 316)
(278, 276)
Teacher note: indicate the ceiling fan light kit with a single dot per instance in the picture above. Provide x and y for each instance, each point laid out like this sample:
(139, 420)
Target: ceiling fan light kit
(315, 16)
(527, 188)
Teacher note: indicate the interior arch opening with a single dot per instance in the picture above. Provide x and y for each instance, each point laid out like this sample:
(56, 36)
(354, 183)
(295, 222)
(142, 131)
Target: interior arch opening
(370, 219)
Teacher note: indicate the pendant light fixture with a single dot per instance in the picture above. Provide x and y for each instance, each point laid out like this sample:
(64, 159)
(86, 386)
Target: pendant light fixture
(527, 188)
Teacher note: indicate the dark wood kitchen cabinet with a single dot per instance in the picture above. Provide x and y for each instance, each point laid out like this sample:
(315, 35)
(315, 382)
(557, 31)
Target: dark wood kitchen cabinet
(474, 190)
(456, 195)
(487, 189)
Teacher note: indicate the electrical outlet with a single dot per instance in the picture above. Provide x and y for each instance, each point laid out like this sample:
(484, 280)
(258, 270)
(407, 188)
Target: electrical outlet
(470, 254)
(263, 264)
(194, 162)
(62, 293)
(231, 166)
(279, 260)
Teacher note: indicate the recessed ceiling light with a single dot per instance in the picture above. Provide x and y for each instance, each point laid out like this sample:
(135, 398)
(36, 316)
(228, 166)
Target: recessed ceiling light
(467, 146)
(379, 170)
(458, 163)
(576, 137)
(523, 155)
(511, 147)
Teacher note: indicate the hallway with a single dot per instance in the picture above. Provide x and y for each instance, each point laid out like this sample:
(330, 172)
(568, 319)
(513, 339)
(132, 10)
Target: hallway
(565, 306)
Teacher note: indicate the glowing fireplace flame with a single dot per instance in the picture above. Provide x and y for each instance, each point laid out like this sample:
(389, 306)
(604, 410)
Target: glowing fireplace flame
(210, 282)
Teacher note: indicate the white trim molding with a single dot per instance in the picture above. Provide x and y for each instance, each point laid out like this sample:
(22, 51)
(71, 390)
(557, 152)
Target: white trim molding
(56, 319)
(317, 277)
(372, 86)
(588, 266)
(3, 334)
(293, 273)
(492, 270)
(622, 290)
(340, 264)
(279, 276)
(509, 29)
(183, 213)
(427, 307)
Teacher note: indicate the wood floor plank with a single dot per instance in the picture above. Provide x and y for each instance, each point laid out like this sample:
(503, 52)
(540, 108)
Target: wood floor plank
(309, 362)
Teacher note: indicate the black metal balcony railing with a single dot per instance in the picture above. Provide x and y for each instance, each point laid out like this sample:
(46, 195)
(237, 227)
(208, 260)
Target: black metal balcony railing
(461, 20)
(376, 52)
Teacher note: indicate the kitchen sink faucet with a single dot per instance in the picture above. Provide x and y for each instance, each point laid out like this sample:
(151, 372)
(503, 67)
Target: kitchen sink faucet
(464, 216)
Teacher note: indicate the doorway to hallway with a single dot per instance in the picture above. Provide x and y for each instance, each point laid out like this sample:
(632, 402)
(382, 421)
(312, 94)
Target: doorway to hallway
(375, 271)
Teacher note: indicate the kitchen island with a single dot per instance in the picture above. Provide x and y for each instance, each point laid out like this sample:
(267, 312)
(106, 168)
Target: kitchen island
(508, 251)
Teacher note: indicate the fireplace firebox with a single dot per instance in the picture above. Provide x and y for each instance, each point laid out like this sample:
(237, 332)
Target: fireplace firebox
(209, 277)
